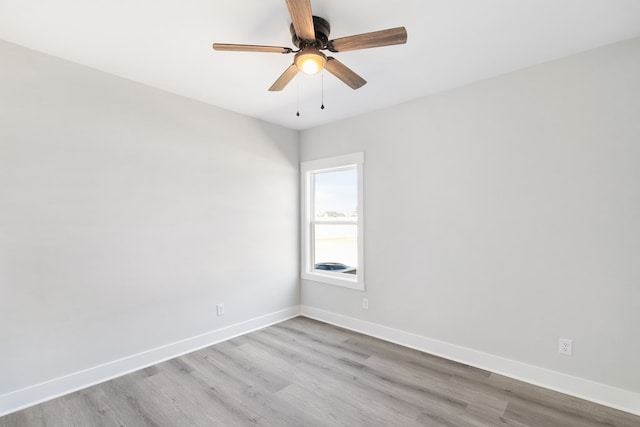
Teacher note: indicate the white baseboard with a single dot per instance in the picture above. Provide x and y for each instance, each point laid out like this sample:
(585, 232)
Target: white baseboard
(38, 393)
(599, 393)
(623, 400)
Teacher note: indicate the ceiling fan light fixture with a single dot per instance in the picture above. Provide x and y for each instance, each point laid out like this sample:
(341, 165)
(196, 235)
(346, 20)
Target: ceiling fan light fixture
(310, 61)
(310, 34)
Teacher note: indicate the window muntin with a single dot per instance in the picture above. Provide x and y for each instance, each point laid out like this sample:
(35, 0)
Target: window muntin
(332, 221)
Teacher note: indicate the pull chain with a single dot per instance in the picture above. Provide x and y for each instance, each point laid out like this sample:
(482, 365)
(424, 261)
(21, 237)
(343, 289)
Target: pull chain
(322, 106)
(298, 106)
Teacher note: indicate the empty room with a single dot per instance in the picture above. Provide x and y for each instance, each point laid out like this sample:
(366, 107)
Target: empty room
(320, 213)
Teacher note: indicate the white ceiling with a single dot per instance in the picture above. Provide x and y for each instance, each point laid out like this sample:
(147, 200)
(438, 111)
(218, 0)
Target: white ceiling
(167, 44)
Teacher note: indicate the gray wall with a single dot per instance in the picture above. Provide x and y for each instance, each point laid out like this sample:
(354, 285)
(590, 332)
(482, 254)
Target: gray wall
(127, 213)
(505, 214)
(499, 216)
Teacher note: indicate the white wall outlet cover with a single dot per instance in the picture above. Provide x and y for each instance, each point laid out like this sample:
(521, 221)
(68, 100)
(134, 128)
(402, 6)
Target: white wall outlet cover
(565, 346)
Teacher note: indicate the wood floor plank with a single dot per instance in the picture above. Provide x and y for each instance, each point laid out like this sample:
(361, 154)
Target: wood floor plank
(232, 360)
(246, 392)
(324, 373)
(414, 357)
(529, 393)
(306, 373)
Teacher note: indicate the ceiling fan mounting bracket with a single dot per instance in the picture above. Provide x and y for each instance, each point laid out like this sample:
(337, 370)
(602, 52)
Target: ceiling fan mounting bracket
(322, 30)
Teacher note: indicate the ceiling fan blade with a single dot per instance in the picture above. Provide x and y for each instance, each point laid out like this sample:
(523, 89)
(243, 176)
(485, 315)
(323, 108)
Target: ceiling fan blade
(251, 48)
(302, 18)
(367, 40)
(285, 78)
(344, 73)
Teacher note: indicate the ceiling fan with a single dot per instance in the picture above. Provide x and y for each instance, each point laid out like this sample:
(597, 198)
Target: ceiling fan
(310, 34)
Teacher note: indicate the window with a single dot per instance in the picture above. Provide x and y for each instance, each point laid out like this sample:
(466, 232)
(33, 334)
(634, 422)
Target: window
(332, 238)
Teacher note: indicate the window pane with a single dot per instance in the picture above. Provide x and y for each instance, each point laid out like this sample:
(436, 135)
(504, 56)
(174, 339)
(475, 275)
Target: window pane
(336, 195)
(336, 248)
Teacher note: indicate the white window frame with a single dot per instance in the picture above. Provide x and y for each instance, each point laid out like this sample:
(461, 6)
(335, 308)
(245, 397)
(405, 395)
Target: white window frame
(307, 169)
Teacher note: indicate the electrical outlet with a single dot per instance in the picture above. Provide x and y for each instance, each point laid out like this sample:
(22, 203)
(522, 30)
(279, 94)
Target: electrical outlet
(365, 303)
(220, 308)
(565, 346)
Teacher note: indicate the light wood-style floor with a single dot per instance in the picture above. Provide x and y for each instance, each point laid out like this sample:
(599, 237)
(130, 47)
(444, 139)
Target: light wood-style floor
(305, 373)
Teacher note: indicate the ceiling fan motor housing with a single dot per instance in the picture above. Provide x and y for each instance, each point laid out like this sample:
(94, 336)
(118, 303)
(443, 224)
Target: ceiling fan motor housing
(322, 30)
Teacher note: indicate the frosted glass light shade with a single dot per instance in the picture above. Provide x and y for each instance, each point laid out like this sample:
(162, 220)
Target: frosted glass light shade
(310, 61)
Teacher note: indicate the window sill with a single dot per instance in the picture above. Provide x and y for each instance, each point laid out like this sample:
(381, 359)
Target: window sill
(335, 279)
